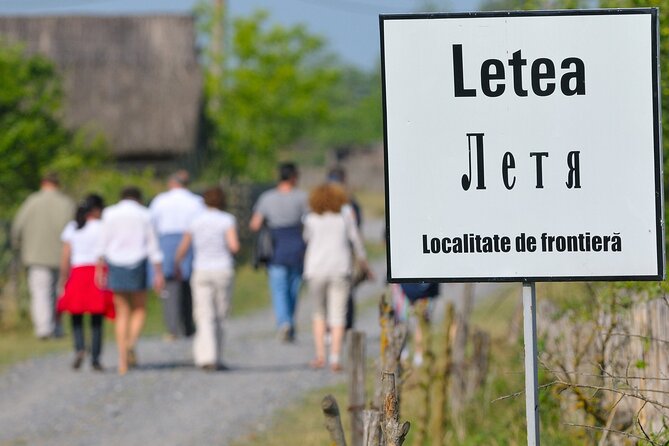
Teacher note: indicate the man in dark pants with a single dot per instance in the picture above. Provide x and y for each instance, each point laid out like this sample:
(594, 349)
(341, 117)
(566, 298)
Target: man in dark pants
(172, 212)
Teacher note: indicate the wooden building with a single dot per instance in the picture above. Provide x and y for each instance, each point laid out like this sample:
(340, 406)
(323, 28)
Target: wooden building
(135, 78)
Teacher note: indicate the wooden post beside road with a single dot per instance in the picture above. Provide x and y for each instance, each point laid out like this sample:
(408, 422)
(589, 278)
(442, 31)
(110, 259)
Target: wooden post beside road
(333, 420)
(356, 388)
(394, 432)
(372, 428)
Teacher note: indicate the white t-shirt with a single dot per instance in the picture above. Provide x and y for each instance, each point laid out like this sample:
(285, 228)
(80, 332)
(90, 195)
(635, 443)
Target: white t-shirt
(128, 235)
(173, 211)
(83, 242)
(210, 248)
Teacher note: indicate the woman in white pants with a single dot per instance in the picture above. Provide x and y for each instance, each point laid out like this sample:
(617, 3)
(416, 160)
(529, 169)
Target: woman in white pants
(213, 235)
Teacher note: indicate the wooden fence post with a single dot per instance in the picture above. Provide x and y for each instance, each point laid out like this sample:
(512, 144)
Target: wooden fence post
(458, 357)
(372, 432)
(423, 343)
(356, 388)
(442, 381)
(394, 432)
(333, 420)
(480, 360)
(386, 321)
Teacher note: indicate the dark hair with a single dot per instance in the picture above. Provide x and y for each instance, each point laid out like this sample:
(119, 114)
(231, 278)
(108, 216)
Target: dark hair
(86, 206)
(132, 193)
(80, 215)
(95, 201)
(337, 175)
(181, 177)
(287, 171)
(214, 197)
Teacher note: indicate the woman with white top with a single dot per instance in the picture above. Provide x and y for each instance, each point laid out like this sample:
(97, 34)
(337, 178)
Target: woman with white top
(127, 244)
(80, 294)
(330, 232)
(213, 235)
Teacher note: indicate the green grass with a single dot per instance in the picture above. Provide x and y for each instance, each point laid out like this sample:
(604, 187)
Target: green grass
(372, 203)
(251, 290)
(20, 344)
(303, 420)
(486, 422)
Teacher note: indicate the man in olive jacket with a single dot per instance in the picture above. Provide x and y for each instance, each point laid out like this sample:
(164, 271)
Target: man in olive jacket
(36, 231)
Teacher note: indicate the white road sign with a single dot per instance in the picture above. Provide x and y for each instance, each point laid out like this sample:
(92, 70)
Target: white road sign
(523, 146)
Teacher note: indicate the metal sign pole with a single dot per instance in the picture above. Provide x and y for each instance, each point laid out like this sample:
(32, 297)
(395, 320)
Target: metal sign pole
(531, 378)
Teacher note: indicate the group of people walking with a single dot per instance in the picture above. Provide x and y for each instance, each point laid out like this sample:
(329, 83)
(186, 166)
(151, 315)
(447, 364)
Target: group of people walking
(183, 246)
(315, 237)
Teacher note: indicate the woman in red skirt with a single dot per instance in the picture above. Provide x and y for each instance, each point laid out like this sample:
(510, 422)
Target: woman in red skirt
(81, 295)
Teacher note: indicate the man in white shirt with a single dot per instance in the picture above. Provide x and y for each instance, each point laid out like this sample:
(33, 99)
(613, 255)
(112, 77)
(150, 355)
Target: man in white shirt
(172, 213)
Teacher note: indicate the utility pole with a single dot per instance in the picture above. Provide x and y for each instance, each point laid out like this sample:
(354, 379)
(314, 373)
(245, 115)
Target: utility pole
(217, 34)
(216, 56)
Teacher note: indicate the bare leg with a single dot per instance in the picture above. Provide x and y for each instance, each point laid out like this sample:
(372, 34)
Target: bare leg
(418, 339)
(337, 341)
(319, 341)
(122, 306)
(137, 317)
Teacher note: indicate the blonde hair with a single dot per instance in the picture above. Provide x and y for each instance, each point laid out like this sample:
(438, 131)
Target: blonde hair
(328, 197)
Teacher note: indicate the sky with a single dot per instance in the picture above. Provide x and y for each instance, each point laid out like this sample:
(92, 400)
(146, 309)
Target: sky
(351, 27)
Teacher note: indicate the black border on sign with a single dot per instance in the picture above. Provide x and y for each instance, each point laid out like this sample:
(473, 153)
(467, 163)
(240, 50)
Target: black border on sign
(657, 136)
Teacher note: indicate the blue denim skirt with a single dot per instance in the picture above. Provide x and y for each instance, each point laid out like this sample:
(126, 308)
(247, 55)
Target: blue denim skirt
(128, 278)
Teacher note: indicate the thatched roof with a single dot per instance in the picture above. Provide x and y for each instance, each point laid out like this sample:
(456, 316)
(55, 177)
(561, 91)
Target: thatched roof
(135, 78)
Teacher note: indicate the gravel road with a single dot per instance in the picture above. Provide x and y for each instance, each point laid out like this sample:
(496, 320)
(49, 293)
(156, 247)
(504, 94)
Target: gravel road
(167, 401)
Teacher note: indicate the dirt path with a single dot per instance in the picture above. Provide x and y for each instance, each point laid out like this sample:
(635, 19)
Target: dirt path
(167, 401)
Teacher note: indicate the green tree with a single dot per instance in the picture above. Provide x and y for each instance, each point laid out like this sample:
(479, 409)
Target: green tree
(356, 117)
(33, 137)
(266, 91)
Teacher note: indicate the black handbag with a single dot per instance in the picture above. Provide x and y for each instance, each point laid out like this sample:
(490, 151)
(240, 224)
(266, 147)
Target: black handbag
(264, 247)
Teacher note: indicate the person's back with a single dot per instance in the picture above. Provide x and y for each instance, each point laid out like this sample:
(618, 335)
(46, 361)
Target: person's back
(127, 245)
(330, 237)
(38, 225)
(209, 240)
(126, 228)
(282, 210)
(84, 242)
(172, 213)
(213, 235)
(36, 231)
